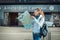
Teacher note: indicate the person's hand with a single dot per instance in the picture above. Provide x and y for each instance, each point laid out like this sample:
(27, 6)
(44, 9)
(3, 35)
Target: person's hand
(32, 16)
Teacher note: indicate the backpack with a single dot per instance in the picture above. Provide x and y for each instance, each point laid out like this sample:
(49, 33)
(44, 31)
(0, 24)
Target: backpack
(43, 30)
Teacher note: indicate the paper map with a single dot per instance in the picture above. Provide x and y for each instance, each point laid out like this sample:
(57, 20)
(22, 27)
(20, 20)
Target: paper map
(25, 19)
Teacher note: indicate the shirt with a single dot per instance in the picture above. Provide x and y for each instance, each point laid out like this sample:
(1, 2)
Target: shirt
(37, 23)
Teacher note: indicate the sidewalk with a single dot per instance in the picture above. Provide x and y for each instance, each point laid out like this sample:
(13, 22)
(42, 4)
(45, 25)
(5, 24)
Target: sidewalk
(19, 33)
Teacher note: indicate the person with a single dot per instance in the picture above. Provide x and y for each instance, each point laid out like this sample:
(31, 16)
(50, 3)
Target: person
(38, 21)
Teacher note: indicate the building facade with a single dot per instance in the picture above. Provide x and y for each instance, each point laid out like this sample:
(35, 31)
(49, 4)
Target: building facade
(9, 13)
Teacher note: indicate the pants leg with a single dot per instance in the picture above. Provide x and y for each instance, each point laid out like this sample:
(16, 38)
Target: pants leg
(36, 36)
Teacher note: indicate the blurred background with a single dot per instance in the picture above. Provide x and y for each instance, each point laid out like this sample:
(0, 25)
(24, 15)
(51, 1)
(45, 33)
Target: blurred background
(12, 29)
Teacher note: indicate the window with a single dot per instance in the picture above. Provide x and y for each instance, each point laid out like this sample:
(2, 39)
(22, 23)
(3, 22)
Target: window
(47, 16)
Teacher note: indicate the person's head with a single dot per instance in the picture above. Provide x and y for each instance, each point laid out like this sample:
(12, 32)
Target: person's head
(38, 11)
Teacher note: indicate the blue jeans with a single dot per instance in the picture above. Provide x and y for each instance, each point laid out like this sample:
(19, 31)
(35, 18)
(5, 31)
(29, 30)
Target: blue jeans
(36, 36)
